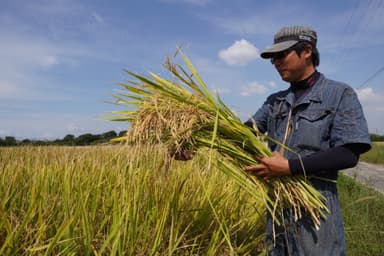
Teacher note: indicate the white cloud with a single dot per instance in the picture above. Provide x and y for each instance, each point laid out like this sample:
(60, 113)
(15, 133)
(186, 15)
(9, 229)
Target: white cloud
(240, 53)
(97, 17)
(23, 65)
(221, 90)
(367, 95)
(371, 101)
(272, 84)
(49, 61)
(8, 89)
(38, 53)
(253, 88)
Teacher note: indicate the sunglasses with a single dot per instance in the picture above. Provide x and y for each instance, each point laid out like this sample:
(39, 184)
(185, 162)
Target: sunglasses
(281, 55)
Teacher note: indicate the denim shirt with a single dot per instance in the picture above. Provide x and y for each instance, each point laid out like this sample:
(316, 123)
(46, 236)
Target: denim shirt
(330, 115)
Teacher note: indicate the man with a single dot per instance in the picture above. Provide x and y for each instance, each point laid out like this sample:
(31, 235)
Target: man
(323, 124)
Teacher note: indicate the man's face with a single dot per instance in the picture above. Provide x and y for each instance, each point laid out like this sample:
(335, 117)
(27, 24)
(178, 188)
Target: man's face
(291, 66)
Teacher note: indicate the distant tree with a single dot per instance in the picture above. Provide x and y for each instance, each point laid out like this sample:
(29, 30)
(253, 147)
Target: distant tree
(41, 142)
(377, 137)
(10, 141)
(69, 139)
(84, 139)
(122, 133)
(109, 135)
(57, 142)
(26, 141)
(87, 139)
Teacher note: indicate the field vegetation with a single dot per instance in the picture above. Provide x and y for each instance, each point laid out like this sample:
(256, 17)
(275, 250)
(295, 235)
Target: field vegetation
(113, 200)
(363, 212)
(121, 201)
(376, 154)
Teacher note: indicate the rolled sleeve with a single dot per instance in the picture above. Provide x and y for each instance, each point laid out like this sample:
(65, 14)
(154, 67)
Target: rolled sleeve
(349, 125)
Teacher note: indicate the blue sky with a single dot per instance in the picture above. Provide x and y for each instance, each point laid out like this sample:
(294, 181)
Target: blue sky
(60, 60)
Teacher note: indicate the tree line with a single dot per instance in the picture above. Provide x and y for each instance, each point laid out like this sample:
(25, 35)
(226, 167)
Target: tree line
(377, 137)
(88, 139)
(67, 140)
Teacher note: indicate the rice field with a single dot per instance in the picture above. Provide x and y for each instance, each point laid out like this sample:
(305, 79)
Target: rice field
(114, 200)
(363, 211)
(376, 154)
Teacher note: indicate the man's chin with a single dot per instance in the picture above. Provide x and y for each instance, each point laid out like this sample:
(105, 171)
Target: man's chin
(285, 78)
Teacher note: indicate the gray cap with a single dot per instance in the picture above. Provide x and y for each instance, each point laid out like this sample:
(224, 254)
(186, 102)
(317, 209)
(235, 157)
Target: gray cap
(287, 37)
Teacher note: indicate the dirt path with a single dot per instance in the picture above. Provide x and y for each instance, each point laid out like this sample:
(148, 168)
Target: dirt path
(369, 174)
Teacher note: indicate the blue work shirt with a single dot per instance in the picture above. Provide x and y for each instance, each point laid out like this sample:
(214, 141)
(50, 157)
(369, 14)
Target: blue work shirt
(329, 115)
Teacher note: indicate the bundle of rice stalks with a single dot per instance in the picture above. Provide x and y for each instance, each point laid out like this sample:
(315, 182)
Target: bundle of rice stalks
(185, 115)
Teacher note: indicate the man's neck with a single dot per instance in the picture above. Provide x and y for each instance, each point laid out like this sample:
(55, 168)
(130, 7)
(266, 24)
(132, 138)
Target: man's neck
(307, 82)
(303, 87)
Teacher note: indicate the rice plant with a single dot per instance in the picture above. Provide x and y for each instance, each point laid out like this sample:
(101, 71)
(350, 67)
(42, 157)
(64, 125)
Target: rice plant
(119, 200)
(112, 200)
(182, 113)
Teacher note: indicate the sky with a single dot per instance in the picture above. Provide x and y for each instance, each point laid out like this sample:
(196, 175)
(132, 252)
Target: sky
(61, 60)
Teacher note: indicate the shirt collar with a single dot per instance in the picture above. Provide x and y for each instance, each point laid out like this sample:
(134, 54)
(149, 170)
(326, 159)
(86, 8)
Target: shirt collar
(314, 95)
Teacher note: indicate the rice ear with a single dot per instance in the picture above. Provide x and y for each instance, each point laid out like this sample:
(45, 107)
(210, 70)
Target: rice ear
(184, 114)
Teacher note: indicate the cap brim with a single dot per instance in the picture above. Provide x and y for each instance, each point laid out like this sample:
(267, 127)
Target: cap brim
(279, 47)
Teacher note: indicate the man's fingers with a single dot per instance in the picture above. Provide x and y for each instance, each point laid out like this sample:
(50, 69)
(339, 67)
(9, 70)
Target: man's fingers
(259, 170)
(254, 168)
(258, 158)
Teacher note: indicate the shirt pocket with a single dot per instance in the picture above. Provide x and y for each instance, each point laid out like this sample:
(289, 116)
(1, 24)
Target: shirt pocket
(277, 123)
(312, 129)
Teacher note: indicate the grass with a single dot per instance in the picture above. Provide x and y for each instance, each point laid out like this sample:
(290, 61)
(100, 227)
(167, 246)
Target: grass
(112, 200)
(376, 154)
(363, 211)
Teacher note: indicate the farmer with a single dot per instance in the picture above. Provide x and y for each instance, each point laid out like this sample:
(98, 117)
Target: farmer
(322, 125)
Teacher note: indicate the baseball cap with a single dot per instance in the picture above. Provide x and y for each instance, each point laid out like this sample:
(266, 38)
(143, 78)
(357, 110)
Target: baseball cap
(287, 37)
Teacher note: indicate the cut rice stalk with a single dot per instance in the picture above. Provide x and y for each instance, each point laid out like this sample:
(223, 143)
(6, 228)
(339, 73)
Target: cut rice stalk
(185, 115)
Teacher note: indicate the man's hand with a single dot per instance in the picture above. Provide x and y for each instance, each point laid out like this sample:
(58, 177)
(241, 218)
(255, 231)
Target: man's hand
(184, 155)
(180, 154)
(270, 167)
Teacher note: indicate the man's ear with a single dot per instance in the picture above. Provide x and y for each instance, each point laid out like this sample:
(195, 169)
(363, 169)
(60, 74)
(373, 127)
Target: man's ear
(307, 52)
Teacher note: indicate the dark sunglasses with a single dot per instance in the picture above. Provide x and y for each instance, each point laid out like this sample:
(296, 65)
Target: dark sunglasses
(281, 55)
